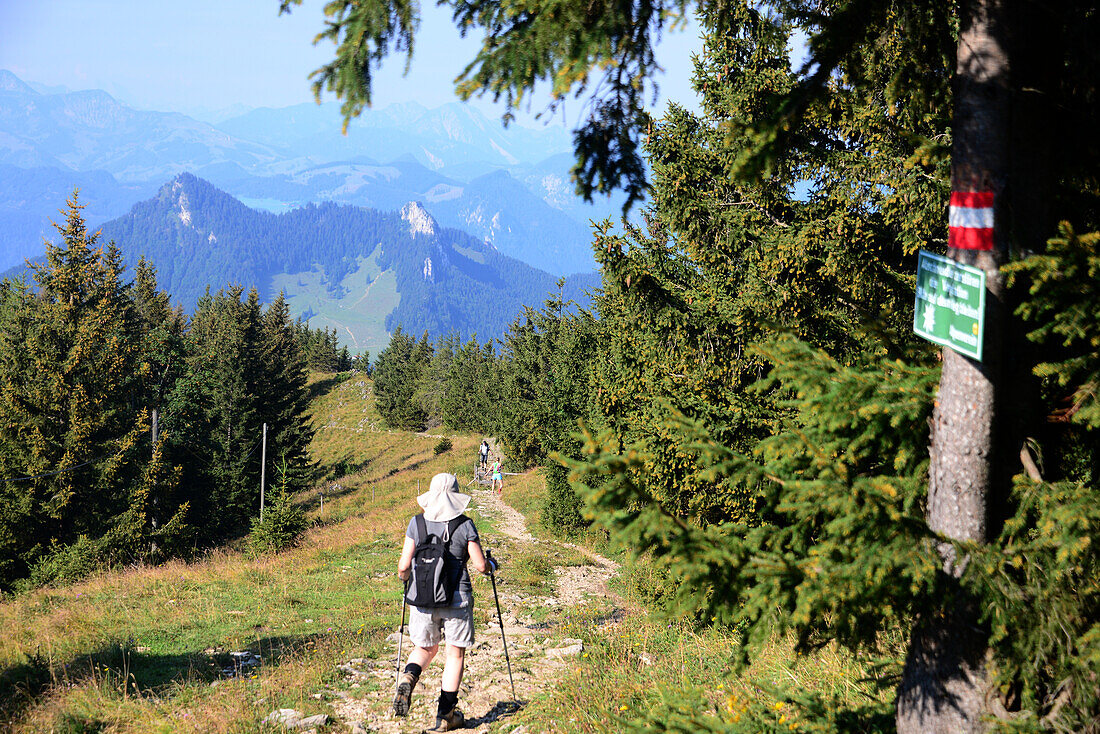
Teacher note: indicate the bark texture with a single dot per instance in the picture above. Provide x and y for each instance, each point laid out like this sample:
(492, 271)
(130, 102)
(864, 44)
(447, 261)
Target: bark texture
(946, 685)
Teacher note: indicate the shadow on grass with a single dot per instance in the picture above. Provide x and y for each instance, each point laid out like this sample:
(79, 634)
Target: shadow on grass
(336, 475)
(22, 684)
(325, 384)
(402, 467)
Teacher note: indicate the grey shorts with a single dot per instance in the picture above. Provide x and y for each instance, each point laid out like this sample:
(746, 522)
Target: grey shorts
(455, 623)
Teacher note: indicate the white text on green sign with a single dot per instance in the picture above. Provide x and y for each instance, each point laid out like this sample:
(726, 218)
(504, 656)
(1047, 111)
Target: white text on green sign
(950, 307)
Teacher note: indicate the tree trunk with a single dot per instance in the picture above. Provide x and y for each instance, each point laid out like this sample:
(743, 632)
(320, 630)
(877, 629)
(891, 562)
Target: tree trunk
(946, 684)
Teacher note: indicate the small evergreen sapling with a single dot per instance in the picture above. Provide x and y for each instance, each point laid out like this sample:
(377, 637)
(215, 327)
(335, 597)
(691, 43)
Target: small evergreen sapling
(283, 522)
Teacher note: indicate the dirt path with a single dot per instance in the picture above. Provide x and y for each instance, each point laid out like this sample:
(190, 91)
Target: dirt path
(537, 653)
(575, 583)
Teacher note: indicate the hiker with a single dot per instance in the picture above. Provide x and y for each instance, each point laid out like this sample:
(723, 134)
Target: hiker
(483, 454)
(442, 517)
(498, 477)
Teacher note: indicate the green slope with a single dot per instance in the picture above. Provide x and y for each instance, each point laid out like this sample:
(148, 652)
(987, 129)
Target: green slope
(369, 295)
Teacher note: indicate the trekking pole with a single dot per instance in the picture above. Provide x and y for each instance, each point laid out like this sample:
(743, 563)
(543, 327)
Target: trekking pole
(400, 636)
(500, 618)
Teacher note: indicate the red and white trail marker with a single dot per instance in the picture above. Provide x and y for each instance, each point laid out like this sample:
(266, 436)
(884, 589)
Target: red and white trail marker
(970, 220)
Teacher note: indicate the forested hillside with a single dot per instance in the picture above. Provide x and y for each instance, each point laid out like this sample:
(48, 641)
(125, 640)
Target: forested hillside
(359, 271)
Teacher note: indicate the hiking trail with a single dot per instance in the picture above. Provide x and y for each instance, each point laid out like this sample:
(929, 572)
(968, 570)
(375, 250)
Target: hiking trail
(537, 650)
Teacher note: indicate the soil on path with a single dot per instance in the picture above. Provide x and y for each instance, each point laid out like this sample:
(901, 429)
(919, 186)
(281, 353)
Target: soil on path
(537, 651)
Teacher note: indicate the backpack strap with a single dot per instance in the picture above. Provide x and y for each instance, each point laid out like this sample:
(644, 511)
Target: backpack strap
(421, 528)
(454, 524)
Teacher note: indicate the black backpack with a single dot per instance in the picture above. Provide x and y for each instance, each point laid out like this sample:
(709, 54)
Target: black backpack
(433, 582)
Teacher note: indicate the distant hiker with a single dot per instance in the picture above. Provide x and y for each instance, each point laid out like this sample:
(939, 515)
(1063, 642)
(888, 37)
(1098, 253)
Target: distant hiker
(483, 453)
(438, 544)
(498, 477)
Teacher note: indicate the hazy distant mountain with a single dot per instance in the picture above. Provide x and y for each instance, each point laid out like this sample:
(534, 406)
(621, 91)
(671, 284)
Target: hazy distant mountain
(358, 270)
(495, 207)
(91, 130)
(508, 187)
(11, 83)
(31, 198)
(450, 135)
(504, 213)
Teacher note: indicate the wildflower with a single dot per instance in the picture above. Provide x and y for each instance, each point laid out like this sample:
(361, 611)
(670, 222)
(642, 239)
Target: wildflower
(778, 705)
(623, 707)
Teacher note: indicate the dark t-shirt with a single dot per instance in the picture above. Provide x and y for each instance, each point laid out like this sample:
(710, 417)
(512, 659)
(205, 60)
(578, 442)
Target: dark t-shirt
(463, 534)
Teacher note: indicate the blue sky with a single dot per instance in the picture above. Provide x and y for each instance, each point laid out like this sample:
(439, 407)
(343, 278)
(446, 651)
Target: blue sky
(202, 56)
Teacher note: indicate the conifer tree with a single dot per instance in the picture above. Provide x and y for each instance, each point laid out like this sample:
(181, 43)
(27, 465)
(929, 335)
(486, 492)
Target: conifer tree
(284, 398)
(544, 385)
(217, 405)
(471, 398)
(72, 417)
(432, 386)
(396, 379)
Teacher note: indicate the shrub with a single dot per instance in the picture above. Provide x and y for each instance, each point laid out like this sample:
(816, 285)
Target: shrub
(283, 523)
(561, 509)
(68, 563)
(443, 446)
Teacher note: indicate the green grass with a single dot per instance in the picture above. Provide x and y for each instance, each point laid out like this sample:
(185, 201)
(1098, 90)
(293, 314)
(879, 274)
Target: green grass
(138, 650)
(358, 317)
(168, 630)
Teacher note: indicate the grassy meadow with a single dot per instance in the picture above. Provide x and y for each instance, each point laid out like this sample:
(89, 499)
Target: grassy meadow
(144, 649)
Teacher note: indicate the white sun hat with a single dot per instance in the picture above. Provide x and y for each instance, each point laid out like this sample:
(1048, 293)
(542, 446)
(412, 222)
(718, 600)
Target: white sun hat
(443, 502)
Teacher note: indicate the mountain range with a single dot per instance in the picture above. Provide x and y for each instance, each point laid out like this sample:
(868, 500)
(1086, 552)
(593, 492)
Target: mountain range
(509, 188)
(359, 271)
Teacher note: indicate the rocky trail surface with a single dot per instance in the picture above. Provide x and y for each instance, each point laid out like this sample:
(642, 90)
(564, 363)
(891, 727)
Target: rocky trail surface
(362, 702)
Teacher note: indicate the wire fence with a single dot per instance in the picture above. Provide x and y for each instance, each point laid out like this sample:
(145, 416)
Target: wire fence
(43, 475)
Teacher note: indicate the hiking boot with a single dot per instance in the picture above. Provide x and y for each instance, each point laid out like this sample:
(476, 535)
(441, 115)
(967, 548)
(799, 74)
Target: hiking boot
(450, 722)
(401, 700)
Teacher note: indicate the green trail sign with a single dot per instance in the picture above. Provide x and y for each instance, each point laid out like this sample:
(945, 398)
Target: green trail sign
(950, 304)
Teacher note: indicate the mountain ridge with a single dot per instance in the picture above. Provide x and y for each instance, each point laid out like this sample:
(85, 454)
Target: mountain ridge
(446, 157)
(358, 270)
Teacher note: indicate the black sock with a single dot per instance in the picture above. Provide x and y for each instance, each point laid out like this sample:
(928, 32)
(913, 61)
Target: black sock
(447, 702)
(413, 669)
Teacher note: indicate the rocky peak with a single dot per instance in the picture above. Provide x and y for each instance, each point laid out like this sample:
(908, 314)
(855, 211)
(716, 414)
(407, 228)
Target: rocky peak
(420, 221)
(179, 192)
(11, 83)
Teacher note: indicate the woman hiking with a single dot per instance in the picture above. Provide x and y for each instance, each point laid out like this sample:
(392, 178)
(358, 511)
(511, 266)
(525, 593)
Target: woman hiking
(442, 517)
(498, 476)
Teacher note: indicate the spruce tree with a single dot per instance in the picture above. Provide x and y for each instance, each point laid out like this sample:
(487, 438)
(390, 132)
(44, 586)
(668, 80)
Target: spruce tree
(284, 397)
(217, 405)
(470, 399)
(73, 418)
(396, 379)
